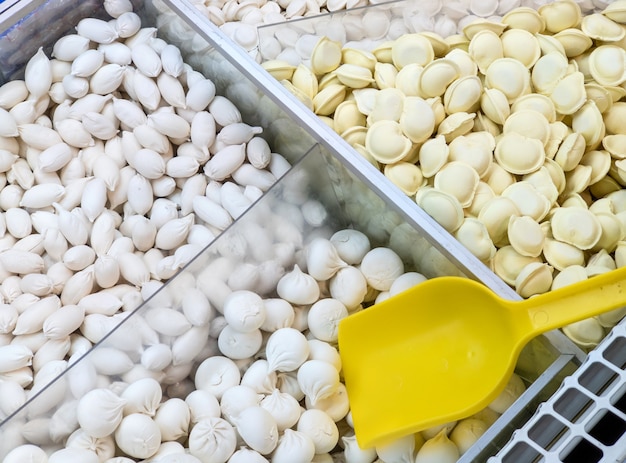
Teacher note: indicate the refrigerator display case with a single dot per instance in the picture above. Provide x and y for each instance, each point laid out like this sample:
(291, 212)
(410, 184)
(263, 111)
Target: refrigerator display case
(351, 192)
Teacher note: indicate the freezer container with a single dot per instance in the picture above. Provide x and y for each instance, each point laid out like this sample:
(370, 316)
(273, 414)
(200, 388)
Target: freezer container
(326, 172)
(400, 11)
(578, 429)
(117, 359)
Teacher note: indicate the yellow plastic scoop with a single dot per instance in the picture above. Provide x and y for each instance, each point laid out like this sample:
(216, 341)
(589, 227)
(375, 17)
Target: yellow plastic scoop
(444, 349)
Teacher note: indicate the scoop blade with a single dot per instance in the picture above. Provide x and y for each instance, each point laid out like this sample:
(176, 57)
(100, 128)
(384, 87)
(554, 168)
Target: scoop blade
(435, 353)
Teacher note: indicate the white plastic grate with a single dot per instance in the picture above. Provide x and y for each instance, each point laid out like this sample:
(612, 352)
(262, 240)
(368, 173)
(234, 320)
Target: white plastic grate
(585, 419)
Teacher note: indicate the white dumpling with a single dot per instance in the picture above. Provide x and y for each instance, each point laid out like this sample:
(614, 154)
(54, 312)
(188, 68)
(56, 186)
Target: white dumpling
(236, 399)
(237, 345)
(142, 396)
(103, 446)
(212, 440)
(322, 259)
(202, 404)
(318, 379)
(381, 266)
(298, 287)
(26, 452)
(260, 377)
(138, 436)
(73, 454)
(406, 281)
(100, 412)
(245, 455)
(320, 350)
(439, 448)
(294, 447)
(179, 458)
(349, 286)
(244, 311)
(173, 418)
(336, 405)
(351, 245)
(353, 453)
(320, 428)
(257, 428)
(217, 374)
(323, 318)
(283, 407)
(278, 314)
(400, 450)
(286, 349)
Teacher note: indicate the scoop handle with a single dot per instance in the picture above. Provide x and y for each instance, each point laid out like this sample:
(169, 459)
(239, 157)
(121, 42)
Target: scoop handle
(594, 296)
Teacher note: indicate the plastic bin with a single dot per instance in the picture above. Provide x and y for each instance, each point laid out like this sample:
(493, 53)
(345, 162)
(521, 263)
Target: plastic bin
(352, 192)
(54, 403)
(543, 385)
(579, 429)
